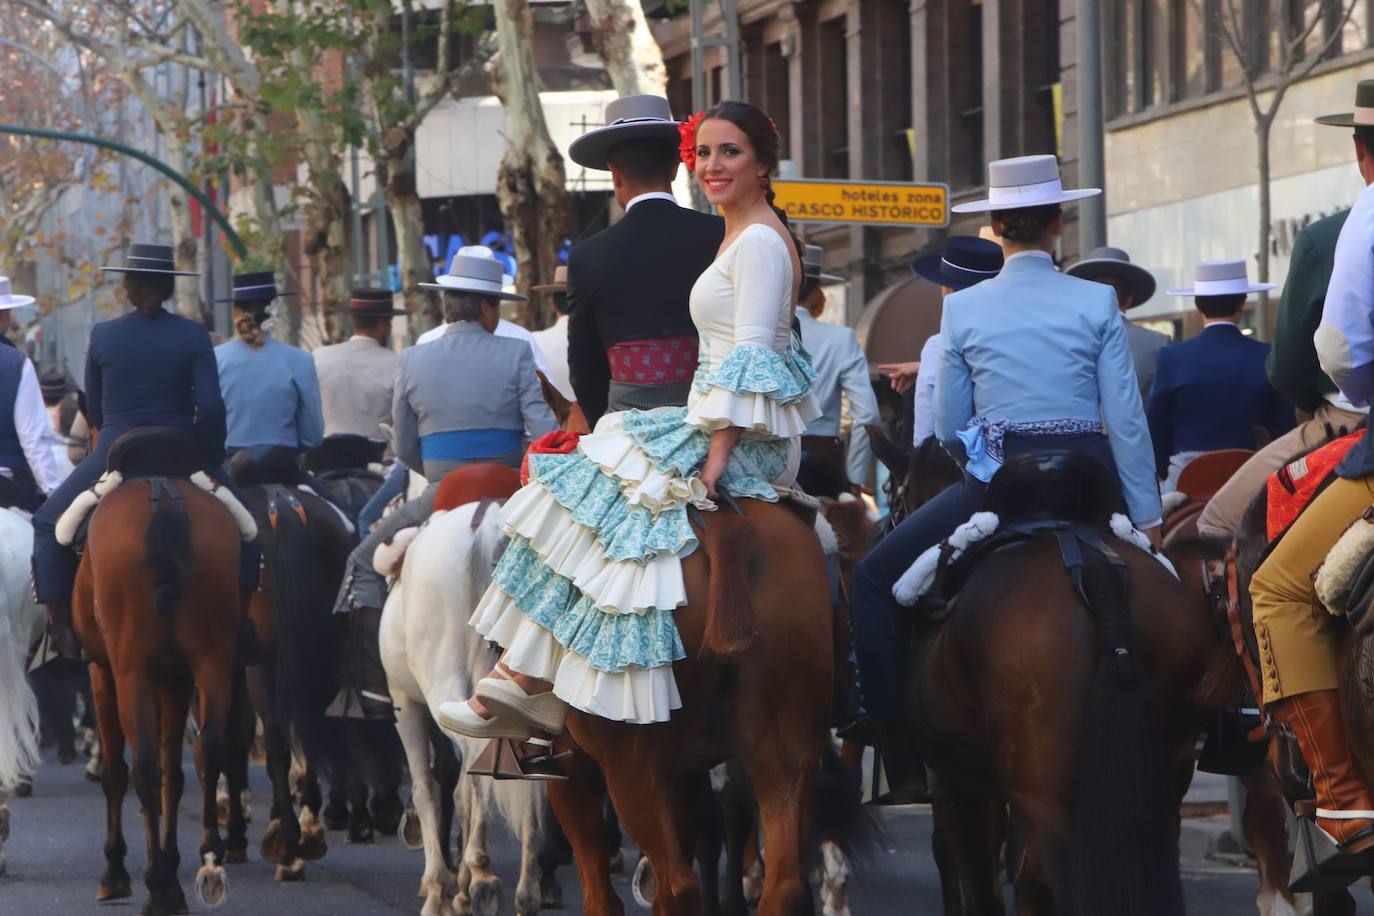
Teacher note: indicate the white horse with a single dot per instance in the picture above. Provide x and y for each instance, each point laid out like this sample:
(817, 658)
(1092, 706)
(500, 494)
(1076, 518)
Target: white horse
(431, 654)
(20, 619)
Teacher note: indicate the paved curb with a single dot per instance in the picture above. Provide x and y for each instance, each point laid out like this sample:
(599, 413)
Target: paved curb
(1207, 838)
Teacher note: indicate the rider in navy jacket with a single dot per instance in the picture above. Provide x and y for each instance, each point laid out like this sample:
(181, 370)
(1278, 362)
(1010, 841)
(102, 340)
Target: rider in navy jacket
(147, 368)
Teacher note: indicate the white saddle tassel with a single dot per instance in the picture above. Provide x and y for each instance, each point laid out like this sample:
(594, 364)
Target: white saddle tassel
(387, 558)
(248, 529)
(918, 579)
(1123, 529)
(70, 522)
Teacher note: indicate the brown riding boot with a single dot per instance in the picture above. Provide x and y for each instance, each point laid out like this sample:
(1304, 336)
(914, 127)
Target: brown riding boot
(1345, 809)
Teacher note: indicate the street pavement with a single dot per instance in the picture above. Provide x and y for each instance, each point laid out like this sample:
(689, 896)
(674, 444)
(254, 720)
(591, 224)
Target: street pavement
(55, 861)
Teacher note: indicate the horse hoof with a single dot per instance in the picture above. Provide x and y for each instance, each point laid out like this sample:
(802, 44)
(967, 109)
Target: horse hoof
(617, 863)
(486, 896)
(313, 844)
(361, 836)
(753, 884)
(273, 846)
(291, 871)
(120, 888)
(644, 885)
(212, 883)
(66, 756)
(410, 832)
(335, 816)
(551, 895)
(24, 789)
(235, 856)
(93, 770)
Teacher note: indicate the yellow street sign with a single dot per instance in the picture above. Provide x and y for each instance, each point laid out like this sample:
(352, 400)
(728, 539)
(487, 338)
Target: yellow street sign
(875, 203)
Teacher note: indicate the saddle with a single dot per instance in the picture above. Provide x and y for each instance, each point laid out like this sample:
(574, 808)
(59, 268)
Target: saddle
(1065, 494)
(155, 451)
(344, 452)
(265, 466)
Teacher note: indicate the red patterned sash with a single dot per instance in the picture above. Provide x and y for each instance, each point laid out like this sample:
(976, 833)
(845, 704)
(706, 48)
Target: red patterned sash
(664, 361)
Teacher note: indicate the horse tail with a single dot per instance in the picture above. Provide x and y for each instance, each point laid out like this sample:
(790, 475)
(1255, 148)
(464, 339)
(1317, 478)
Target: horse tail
(731, 542)
(18, 705)
(168, 545)
(1123, 852)
(306, 649)
(838, 813)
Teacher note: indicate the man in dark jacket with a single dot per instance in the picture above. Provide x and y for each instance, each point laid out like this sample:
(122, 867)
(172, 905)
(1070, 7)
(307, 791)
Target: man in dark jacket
(631, 341)
(1292, 363)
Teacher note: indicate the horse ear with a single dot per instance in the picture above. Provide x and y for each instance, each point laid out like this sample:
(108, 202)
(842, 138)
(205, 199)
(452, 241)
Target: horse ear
(893, 458)
(560, 405)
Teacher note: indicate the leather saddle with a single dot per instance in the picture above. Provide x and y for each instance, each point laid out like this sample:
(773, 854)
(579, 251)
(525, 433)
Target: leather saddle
(155, 451)
(344, 452)
(264, 466)
(1066, 494)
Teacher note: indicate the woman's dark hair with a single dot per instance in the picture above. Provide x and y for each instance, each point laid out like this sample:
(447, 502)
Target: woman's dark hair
(763, 137)
(1220, 306)
(1026, 225)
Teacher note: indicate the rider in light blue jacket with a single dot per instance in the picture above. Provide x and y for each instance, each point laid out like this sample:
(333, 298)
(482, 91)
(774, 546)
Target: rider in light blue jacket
(1031, 361)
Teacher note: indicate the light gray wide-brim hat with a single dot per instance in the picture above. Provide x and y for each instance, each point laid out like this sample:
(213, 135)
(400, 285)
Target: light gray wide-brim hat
(1113, 262)
(811, 265)
(474, 269)
(9, 300)
(1025, 181)
(151, 259)
(630, 117)
(1362, 116)
(1222, 278)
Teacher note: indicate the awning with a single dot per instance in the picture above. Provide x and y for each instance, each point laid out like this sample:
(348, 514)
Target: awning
(898, 321)
(459, 145)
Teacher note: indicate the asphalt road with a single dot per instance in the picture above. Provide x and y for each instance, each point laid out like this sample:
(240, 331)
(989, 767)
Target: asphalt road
(55, 861)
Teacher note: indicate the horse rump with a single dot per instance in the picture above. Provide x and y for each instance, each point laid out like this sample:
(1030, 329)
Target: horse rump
(1123, 853)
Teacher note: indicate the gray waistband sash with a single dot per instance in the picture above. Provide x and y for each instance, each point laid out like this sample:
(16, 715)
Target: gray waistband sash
(629, 396)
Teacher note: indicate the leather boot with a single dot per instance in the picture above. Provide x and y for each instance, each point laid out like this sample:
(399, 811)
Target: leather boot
(365, 694)
(905, 771)
(63, 636)
(1315, 719)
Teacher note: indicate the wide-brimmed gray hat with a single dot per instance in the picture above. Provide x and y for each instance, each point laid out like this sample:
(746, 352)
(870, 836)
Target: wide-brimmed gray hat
(151, 259)
(1114, 263)
(1024, 181)
(1222, 278)
(630, 117)
(1362, 116)
(811, 265)
(475, 269)
(8, 300)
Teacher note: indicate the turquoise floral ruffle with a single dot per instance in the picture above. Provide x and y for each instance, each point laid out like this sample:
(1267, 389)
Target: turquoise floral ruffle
(609, 642)
(750, 369)
(673, 444)
(593, 499)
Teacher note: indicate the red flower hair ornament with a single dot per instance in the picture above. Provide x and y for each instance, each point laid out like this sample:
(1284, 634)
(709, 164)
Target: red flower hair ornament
(687, 130)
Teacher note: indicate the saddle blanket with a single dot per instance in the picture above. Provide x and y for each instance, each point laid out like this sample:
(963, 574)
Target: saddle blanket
(919, 578)
(1292, 487)
(69, 525)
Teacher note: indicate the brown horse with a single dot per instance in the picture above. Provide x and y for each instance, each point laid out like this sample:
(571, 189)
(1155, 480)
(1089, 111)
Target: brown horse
(1080, 723)
(756, 686)
(158, 615)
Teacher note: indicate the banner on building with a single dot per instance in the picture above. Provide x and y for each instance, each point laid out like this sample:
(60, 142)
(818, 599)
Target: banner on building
(873, 203)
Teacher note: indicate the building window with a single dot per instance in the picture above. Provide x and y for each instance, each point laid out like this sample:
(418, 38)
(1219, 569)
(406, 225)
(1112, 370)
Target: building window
(1163, 51)
(834, 99)
(966, 152)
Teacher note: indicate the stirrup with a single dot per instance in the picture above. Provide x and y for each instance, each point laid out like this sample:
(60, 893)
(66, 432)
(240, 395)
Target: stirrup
(507, 758)
(1320, 864)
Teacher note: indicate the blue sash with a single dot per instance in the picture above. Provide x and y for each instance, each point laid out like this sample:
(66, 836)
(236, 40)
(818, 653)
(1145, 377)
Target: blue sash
(466, 444)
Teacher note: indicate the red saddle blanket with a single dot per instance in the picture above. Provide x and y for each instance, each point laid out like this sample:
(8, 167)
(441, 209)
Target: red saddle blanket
(1293, 486)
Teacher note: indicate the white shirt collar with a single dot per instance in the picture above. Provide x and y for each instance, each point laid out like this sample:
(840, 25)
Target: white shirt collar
(1218, 324)
(652, 195)
(1033, 253)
